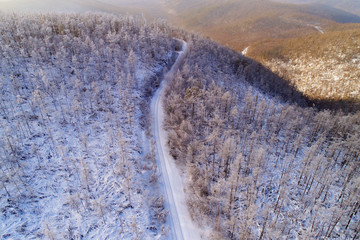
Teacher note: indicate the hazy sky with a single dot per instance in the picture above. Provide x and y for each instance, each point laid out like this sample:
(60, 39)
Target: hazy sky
(150, 8)
(75, 5)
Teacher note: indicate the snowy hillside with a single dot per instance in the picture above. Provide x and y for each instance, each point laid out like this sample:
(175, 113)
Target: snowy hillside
(258, 159)
(76, 162)
(260, 164)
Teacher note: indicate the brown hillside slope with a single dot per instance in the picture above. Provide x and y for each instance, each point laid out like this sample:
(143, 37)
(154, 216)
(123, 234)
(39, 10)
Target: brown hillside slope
(238, 23)
(288, 39)
(322, 66)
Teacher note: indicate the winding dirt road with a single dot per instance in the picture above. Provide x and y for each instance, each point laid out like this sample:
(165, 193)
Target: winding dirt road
(181, 223)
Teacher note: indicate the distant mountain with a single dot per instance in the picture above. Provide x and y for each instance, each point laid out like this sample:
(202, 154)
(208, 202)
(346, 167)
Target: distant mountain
(352, 6)
(239, 23)
(333, 13)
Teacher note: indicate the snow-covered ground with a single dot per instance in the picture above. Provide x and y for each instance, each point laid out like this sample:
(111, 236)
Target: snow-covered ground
(319, 29)
(258, 167)
(181, 222)
(74, 159)
(244, 52)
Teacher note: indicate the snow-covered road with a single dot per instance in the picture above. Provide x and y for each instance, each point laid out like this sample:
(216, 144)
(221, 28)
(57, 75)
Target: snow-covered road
(244, 52)
(180, 220)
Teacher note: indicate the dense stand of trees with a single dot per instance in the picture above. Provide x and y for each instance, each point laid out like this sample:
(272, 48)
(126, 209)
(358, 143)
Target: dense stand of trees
(73, 107)
(73, 110)
(261, 167)
(325, 67)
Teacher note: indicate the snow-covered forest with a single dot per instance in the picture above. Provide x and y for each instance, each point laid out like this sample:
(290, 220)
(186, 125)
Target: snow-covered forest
(261, 164)
(76, 159)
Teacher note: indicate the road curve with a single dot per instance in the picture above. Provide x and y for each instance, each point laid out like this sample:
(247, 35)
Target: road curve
(181, 224)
